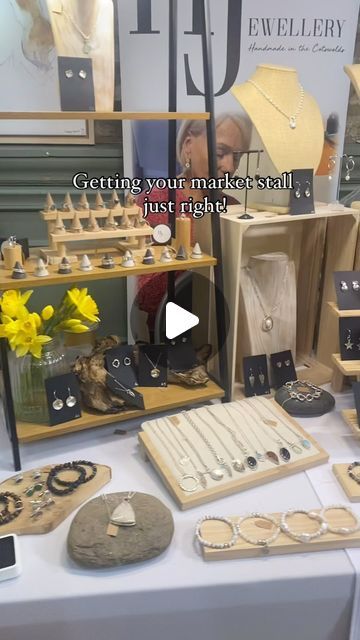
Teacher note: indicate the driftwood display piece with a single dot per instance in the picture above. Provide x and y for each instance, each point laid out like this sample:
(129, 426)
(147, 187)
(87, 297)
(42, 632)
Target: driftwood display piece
(93, 378)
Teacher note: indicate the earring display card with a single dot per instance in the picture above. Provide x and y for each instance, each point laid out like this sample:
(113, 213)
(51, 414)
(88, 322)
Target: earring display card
(302, 195)
(76, 84)
(63, 398)
(131, 397)
(347, 287)
(283, 368)
(153, 365)
(120, 362)
(182, 356)
(256, 376)
(349, 330)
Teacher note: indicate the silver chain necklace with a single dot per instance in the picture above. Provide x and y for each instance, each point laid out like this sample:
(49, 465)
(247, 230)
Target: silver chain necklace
(215, 474)
(221, 461)
(87, 47)
(284, 453)
(268, 322)
(306, 444)
(251, 461)
(184, 477)
(236, 464)
(269, 454)
(291, 118)
(155, 371)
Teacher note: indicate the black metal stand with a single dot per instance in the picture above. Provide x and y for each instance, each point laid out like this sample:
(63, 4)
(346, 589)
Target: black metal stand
(9, 411)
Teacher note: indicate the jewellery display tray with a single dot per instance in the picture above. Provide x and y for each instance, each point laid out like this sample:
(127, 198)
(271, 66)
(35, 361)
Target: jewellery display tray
(239, 482)
(218, 532)
(64, 505)
(350, 486)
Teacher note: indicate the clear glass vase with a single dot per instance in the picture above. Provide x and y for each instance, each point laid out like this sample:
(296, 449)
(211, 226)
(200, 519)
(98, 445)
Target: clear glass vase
(28, 375)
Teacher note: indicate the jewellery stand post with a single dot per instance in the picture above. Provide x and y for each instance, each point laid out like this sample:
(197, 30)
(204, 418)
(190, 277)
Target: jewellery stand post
(351, 488)
(217, 531)
(246, 215)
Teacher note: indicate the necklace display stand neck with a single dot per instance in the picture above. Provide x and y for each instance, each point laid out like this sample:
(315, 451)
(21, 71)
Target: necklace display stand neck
(271, 100)
(268, 305)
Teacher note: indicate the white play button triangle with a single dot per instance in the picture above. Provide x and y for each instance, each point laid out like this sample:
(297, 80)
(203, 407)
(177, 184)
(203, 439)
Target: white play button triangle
(178, 320)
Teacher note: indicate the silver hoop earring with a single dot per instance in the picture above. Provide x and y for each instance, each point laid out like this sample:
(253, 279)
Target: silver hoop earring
(70, 400)
(58, 403)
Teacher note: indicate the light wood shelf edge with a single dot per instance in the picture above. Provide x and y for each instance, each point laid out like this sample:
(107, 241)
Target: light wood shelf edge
(347, 367)
(156, 400)
(343, 313)
(103, 115)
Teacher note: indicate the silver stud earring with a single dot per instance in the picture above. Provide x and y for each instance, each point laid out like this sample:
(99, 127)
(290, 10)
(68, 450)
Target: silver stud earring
(82, 74)
(70, 400)
(287, 363)
(127, 361)
(58, 403)
(116, 363)
(355, 285)
(307, 192)
(297, 190)
(343, 286)
(251, 378)
(348, 344)
(69, 73)
(279, 365)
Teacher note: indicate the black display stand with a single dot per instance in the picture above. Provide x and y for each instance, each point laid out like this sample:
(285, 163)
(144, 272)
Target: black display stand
(256, 376)
(349, 338)
(205, 34)
(346, 289)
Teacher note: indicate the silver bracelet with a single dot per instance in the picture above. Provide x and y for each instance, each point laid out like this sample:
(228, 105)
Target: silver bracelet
(304, 536)
(342, 531)
(217, 545)
(263, 542)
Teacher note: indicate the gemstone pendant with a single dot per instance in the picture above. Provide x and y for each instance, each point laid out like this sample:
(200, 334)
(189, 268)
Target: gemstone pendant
(155, 373)
(292, 122)
(238, 465)
(251, 462)
(271, 455)
(86, 48)
(284, 454)
(123, 515)
(296, 449)
(267, 323)
(306, 444)
(216, 474)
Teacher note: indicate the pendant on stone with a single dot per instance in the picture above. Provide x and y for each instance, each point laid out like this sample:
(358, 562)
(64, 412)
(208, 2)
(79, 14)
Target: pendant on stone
(284, 454)
(292, 122)
(216, 474)
(86, 48)
(155, 373)
(267, 323)
(123, 515)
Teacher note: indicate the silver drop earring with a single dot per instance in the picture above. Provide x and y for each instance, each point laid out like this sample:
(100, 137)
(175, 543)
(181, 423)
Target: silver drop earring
(287, 363)
(70, 400)
(261, 377)
(297, 190)
(188, 163)
(348, 344)
(58, 403)
(307, 192)
(349, 165)
(251, 378)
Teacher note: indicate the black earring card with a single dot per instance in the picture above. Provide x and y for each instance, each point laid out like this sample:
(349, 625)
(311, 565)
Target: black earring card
(120, 362)
(347, 288)
(302, 195)
(356, 391)
(349, 338)
(76, 83)
(131, 397)
(63, 398)
(256, 376)
(153, 365)
(283, 368)
(182, 356)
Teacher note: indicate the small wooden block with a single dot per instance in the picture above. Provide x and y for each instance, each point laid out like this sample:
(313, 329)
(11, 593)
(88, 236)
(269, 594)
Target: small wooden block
(350, 417)
(216, 531)
(53, 516)
(351, 488)
(112, 530)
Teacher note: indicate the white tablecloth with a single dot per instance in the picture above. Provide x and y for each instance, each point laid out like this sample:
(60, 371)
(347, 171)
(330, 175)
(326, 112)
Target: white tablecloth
(178, 595)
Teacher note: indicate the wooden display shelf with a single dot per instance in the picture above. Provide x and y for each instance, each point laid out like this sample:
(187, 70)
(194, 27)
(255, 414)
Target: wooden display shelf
(343, 313)
(216, 531)
(350, 486)
(350, 417)
(346, 367)
(235, 485)
(64, 505)
(156, 400)
(77, 276)
(103, 115)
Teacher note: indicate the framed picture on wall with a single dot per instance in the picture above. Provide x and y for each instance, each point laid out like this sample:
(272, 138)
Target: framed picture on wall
(29, 77)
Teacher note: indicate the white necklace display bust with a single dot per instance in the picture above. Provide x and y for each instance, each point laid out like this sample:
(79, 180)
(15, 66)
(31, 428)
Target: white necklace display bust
(71, 20)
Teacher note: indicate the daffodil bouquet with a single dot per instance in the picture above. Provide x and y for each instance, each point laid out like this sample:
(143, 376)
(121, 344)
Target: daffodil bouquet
(27, 332)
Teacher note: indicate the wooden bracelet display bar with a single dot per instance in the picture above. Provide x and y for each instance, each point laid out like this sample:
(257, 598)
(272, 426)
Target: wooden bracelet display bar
(350, 486)
(238, 482)
(350, 417)
(64, 505)
(217, 531)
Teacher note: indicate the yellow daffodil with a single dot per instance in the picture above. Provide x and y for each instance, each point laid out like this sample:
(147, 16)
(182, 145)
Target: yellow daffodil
(13, 303)
(47, 312)
(86, 307)
(30, 343)
(74, 325)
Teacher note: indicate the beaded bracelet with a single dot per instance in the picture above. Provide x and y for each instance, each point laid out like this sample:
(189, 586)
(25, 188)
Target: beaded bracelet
(70, 486)
(304, 536)
(217, 545)
(352, 475)
(263, 542)
(342, 531)
(6, 515)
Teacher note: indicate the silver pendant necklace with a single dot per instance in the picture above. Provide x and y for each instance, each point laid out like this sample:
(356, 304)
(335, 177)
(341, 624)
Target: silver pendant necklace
(155, 371)
(123, 515)
(251, 461)
(215, 474)
(220, 461)
(268, 453)
(122, 387)
(267, 322)
(87, 46)
(306, 444)
(284, 453)
(188, 482)
(292, 119)
(237, 465)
